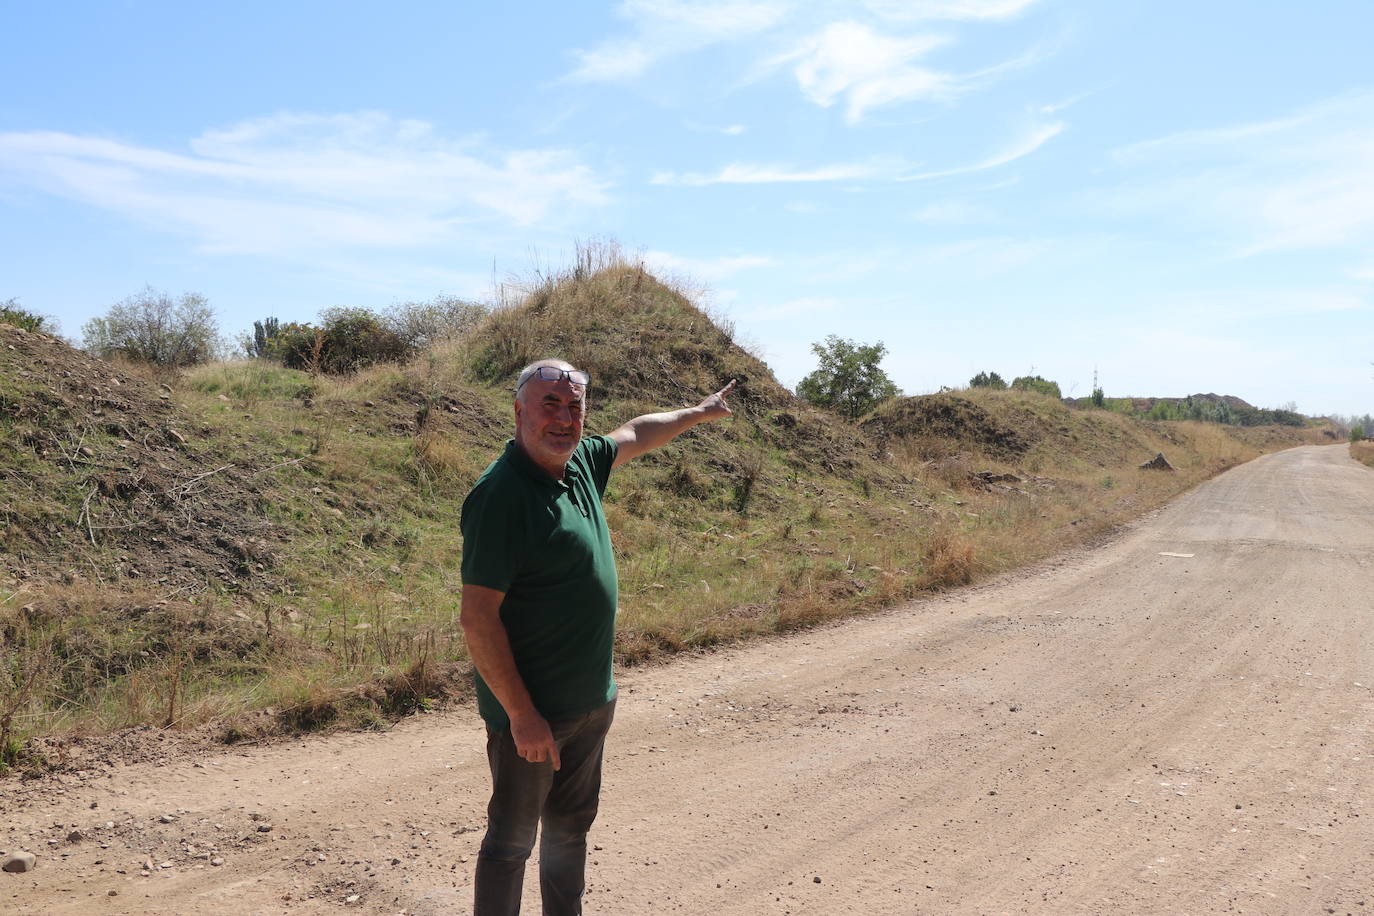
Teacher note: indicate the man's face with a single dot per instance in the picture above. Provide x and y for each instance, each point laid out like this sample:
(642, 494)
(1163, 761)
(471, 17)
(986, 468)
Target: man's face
(548, 420)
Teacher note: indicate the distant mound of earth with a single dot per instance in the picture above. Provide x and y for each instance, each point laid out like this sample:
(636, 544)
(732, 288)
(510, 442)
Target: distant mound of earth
(104, 475)
(1145, 405)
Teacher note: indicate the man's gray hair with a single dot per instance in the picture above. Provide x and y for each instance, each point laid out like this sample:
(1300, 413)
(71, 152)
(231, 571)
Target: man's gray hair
(529, 370)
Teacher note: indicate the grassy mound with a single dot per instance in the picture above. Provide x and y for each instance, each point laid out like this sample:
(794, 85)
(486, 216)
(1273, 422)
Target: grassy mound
(261, 550)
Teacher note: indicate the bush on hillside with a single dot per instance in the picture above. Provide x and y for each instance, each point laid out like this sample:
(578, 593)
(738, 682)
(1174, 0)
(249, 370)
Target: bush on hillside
(420, 325)
(849, 379)
(988, 380)
(348, 339)
(258, 345)
(1260, 416)
(1038, 385)
(152, 327)
(12, 314)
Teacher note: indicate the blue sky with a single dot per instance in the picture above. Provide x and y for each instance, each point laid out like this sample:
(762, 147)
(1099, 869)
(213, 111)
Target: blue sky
(1179, 196)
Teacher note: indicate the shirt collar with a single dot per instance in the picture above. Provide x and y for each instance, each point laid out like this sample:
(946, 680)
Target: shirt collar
(518, 458)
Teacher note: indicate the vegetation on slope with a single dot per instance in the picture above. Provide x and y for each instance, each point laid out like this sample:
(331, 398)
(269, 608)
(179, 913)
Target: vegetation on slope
(1363, 451)
(264, 549)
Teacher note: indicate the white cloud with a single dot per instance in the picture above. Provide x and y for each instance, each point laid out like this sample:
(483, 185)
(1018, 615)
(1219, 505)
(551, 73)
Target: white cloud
(867, 170)
(663, 28)
(1055, 107)
(1301, 181)
(730, 130)
(752, 173)
(850, 61)
(296, 182)
(793, 308)
(708, 269)
(1031, 141)
(951, 213)
(911, 10)
(987, 256)
(1235, 307)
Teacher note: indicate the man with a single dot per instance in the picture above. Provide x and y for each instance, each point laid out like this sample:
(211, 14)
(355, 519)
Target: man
(539, 604)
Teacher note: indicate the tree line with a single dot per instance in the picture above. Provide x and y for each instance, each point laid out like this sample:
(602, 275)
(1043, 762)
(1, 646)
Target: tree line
(158, 329)
(177, 332)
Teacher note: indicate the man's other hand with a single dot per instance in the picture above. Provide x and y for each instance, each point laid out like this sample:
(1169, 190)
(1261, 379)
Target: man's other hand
(534, 739)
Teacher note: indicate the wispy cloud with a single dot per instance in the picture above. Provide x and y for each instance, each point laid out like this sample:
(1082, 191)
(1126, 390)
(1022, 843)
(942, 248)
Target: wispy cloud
(296, 182)
(664, 28)
(1234, 307)
(951, 213)
(793, 308)
(866, 170)
(1023, 146)
(729, 130)
(754, 173)
(915, 10)
(866, 69)
(708, 269)
(1301, 181)
(1056, 107)
(986, 256)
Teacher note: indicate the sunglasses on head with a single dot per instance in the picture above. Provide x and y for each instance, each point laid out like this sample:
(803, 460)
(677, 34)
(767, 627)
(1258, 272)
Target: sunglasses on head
(553, 374)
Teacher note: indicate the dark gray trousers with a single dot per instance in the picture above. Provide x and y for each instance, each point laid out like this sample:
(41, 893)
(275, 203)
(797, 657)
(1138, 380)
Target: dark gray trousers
(524, 796)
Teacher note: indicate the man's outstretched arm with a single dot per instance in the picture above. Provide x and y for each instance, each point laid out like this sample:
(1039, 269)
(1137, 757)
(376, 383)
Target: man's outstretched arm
(489, 646)
(646, 433)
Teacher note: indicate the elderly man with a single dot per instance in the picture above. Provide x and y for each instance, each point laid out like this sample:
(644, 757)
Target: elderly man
(539, 604)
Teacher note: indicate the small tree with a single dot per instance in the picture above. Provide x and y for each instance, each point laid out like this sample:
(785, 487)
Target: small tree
(265, 333)
(988, 380)
(1099, 398)
(849, 379)
(1037, 384)
(356, 337)
(422, 324)
(151, 327)
(348, 339)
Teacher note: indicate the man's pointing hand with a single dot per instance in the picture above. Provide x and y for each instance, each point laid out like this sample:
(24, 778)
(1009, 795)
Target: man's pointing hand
(715, 406)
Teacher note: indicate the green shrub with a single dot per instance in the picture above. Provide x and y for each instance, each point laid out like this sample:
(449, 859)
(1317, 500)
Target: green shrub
(419, 325)
(988, 380)
(349, 339)
(152, 327)
(265, 332)
(11, 313)
(1037, 384)
(849, 379)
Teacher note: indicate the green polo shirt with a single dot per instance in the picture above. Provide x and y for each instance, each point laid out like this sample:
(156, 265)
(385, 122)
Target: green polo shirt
(545, 543)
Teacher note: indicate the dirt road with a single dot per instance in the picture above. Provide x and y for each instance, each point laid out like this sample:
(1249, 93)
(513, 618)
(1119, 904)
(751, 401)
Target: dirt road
(1177, 722)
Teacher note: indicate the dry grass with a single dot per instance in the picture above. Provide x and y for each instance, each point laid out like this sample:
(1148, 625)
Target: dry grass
(1363, 452)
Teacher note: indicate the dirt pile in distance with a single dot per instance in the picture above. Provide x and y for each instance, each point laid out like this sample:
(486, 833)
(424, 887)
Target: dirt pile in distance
(106, 479)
